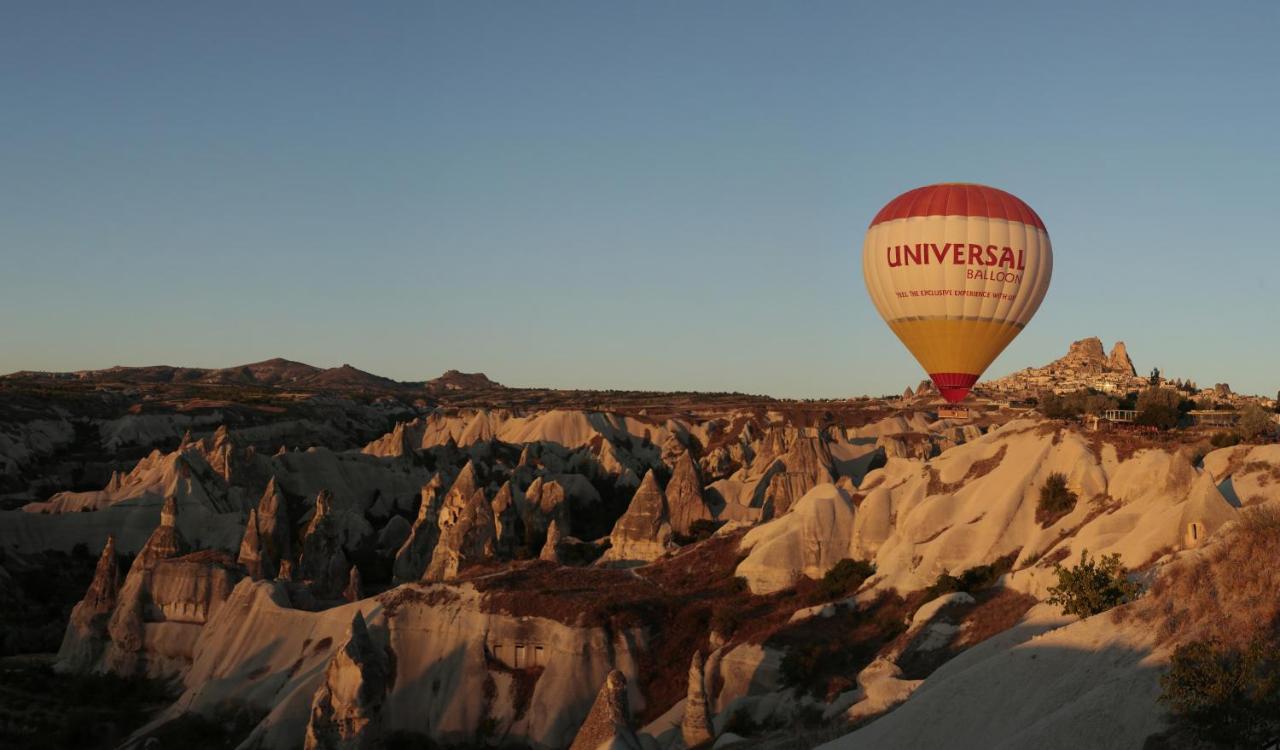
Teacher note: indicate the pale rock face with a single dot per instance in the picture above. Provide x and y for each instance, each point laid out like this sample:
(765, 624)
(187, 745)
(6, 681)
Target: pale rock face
(551, 550)
(323, 561)
(86, 634)
(354, 591)
(225, 455)
(805, 465)
(771, 447)
(449, 652)
(267, 536)
(395, 444)
(743, 670)
(1246, 473)
(684, 496)
(166, 541)
(608, 724)
(414, 555)
(466, 537)
(882, 688)
(809, 541)
(164, 602)
(1050, 679)
(545, 501)
(1119, 360)
(718, 463)
(463, 487)
(643, 533)
(1087, 351)
(345, 711)
(695, 727)
(250, 555)
(508, 510)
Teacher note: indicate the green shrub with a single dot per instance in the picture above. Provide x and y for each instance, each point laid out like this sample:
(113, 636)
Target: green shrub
(1056, 499)
(844, 578)
(971, 580)
(1092, 586)
(1224, 439)
(1225, 695)
(700, 530)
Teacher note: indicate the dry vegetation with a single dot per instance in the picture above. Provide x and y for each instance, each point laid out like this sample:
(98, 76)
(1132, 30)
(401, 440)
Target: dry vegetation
(1227, 594)
(977, 470)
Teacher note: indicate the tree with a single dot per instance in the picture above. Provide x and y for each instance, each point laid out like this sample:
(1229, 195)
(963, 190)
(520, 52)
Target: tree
(1056, 499)
(1069, 405)
(1255, 421)
(1155, 376)
(844, 578)
(1158, 407)
(1093, 586)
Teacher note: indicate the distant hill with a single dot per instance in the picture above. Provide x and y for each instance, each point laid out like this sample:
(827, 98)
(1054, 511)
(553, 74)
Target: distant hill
(277, 373)
(271, 373)
(347, 376)
(453, 380)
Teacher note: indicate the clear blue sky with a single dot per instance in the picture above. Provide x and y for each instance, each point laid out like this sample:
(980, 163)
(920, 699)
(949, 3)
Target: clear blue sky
(627, 195)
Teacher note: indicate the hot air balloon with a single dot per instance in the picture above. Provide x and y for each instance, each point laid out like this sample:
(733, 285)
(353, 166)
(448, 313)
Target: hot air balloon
(956, 270)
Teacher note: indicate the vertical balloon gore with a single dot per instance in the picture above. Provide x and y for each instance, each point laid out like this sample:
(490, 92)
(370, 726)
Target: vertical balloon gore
(957, 271)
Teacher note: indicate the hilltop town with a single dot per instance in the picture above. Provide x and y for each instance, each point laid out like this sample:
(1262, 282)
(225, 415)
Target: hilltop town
(1087, 367)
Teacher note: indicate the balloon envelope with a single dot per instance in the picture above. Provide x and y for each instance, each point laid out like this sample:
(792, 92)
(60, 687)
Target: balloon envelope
(956, 270)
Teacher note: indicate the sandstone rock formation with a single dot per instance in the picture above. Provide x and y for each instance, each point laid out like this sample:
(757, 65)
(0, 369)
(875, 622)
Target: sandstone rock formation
(86, 634)
(268, 535)
(414, 555)
(806, 464)
(643, 533)
(1119, 361)
(323, 561)
(165, 599)
(355, 588)
(695, 727)
(508, 511)
(165, 542)
(608, 724)
(551, 550)
(545, 501)
(466, 537)
(395, 444)
(346, 709)
(463, 488)
(685, 502)
(808, 541)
